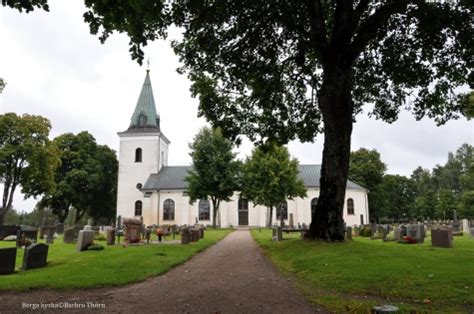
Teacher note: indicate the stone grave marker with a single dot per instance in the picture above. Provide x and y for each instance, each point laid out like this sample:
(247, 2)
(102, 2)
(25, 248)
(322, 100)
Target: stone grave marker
(110, 236)
(132, 229)
(442, 238)
(291, 223)
(69, 235)
(414, 231)
(85, 238)
(465, 225)
(60, 228)
(471, 232)
(397, 233)
(7, 260)
(201, 233)
(348, 233)
(277, 234)
(185, 235)
(26, 234)
(36, 256)
(195, 235)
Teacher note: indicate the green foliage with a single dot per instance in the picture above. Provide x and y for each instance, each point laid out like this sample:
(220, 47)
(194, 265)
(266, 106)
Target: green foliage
(86, 179)
(397, 194)
(215, 170)
(367, 169)
(27, 157)
(270, 177)
(27, 5)
(466, 205)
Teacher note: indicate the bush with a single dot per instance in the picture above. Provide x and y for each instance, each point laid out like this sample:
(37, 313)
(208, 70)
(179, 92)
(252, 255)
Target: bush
(100, 237)
(95, 247)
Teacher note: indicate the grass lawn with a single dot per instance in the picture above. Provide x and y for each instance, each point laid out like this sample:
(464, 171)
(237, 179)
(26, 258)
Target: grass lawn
(357, 275)
(112, 266)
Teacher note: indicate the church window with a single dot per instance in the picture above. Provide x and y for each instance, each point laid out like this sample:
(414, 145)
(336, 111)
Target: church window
(139, 186)
(142, 119)
(204, 210)
(282, 210)
(243, 204)
(138, 208)
(168, 209)
(138, 155)
(350, 206)
(314, 202)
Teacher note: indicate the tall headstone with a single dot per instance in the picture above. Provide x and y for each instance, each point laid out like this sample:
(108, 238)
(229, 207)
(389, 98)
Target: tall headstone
(7, 260)
(348, 233)
(465, 225)
(69, 235)
(110, 236)
(442, 238)
(397, 234)
(36, 256)
(185, 235)
(291, 223)
(85, 238)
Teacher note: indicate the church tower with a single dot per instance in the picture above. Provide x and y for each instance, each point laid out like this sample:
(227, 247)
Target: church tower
(143, 151)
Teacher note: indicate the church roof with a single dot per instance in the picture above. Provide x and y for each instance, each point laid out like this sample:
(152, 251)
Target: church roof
(172, 178)
(144, 118)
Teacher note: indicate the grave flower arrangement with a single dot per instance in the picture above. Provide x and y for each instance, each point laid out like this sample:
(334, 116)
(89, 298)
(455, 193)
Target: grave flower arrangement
(408, 240)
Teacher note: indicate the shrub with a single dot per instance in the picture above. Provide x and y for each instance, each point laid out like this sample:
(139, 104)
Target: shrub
(100, 237)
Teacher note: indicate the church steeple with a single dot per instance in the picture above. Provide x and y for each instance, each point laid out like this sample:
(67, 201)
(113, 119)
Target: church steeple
(145, 117)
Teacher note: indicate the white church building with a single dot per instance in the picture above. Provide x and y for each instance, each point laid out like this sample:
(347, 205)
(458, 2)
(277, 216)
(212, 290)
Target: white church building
(150, 188)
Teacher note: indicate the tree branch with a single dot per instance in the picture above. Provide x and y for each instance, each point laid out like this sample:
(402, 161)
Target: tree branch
(369, 28)
(318, 28)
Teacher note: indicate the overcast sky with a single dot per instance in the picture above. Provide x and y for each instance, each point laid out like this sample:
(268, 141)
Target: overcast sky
(55, 68)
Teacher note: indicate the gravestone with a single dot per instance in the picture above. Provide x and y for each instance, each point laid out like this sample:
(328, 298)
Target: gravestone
(110, 236)
(414, 232)
(291, 223)
(36, 256)
(277, 234)
(397, 234)
(195, 235)
(185, 235)
(471, 232)
(147, 235)
(85, 238)
(132, 228)
(403, 231)
(465, 225)
(60, 228)
(304, 226)
(7, 260)
(46, 231)
(442, 238)
(348, 233)
(69, 235)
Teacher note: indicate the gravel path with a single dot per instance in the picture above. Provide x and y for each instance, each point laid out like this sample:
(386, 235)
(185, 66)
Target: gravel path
(230, 277)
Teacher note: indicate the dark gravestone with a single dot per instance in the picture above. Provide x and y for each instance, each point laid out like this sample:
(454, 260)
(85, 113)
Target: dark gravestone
(195, 235)
(8, 230)
(442, 237)
(7, 260)
(348, 233)
(46, 231)
(201, 233)
(185, 236)
(110, 236)
(36, 256)
(60, 228)
(69, 235)
(403, 231)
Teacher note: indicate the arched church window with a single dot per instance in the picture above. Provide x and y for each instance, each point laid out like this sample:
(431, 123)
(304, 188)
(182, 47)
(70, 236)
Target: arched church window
(168, 209)
(314, 203)
(138, 155)
(138, 208)
(204, 210)
(282, 210)
(142, 119)
(350, 206)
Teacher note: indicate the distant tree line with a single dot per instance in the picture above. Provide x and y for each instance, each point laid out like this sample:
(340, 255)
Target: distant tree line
(433, 194)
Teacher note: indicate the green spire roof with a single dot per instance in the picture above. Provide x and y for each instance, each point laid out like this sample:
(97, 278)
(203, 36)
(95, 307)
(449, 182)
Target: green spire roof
(145, 116)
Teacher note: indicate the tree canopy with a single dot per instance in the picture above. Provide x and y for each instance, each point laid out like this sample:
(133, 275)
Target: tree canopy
(86, 179)
(280, 70)
(270, 178)
(27, 158)
(215, 171)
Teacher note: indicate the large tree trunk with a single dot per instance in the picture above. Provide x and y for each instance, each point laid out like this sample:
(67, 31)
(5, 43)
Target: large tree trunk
(7, 201)
(336, 106)
(269, 220)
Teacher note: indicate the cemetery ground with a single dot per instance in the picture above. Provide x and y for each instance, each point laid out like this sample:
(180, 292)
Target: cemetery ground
(67, 269)
(358, 274)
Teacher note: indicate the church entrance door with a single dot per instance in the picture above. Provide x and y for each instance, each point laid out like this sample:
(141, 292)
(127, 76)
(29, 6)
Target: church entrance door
(243, 210)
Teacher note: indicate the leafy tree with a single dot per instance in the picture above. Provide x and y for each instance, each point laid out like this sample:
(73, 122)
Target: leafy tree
(27, 157)
(215, 170)
(367, 169)
(279, 70)
(86, 179)
(466, 205)
(446, 204)
(397, 196)
(270, 177)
